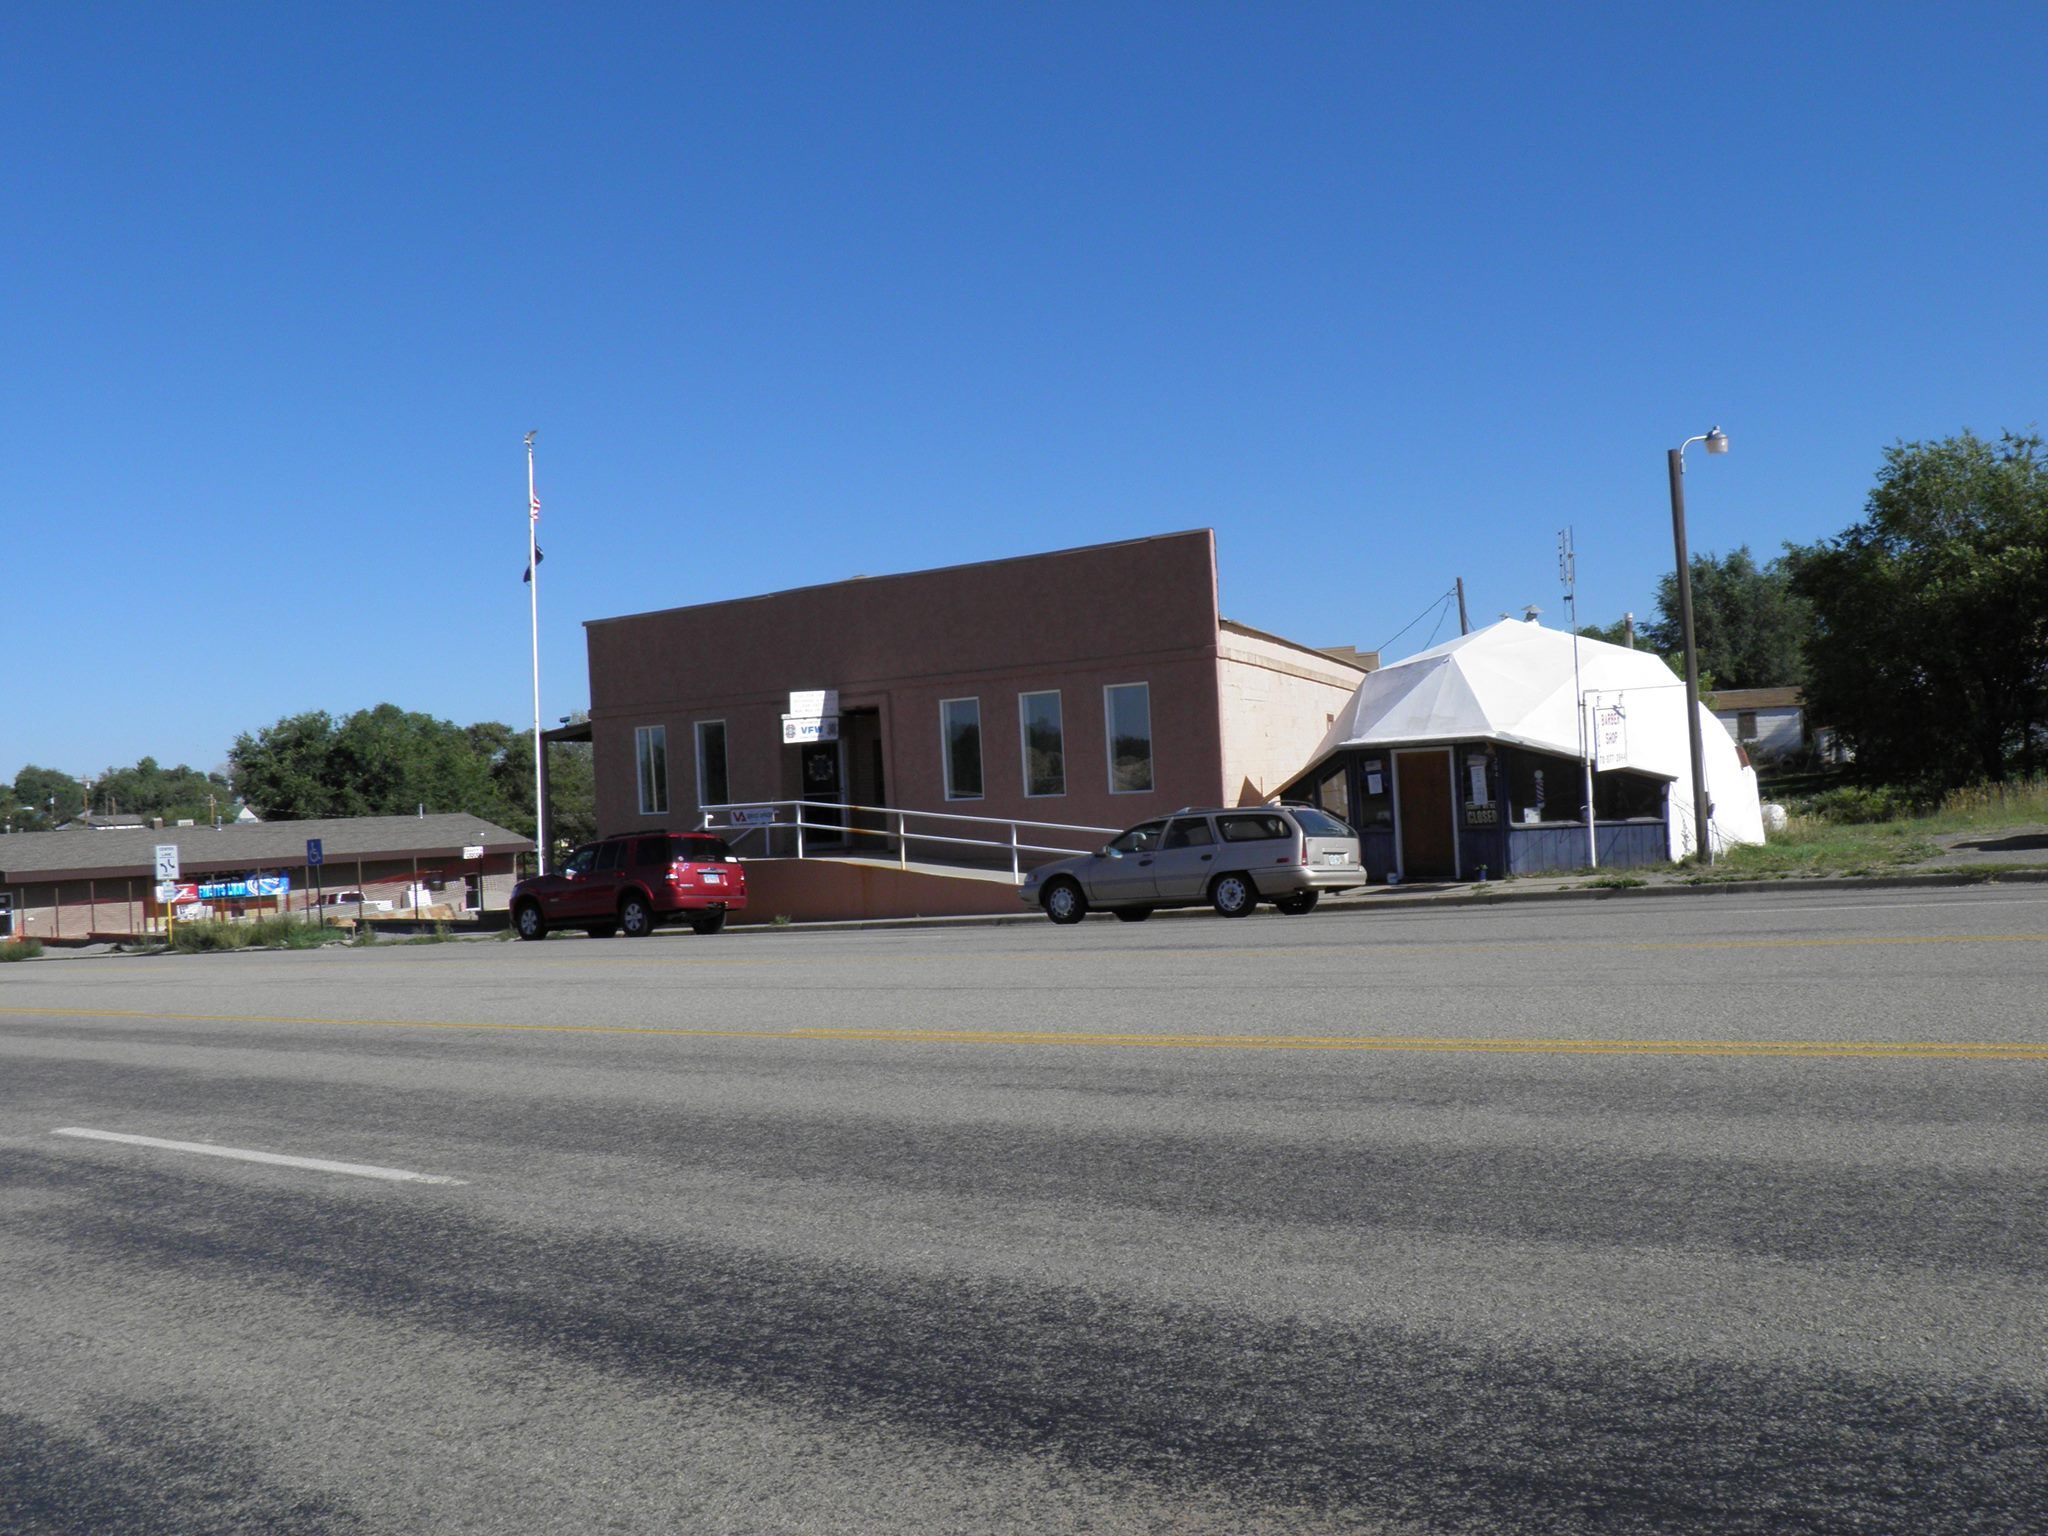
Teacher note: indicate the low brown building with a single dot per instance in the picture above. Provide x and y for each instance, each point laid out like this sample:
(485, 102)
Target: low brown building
(79, 883)
(1090, 687)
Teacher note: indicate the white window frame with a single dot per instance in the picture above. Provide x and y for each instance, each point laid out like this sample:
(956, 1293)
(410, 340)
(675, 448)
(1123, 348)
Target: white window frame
(946, 746)
(643, 736)
(1109, 739)
(1024, 742)
(697, 735)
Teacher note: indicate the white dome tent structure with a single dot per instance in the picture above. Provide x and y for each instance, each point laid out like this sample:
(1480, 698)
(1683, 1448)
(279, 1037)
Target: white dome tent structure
(1470, 759)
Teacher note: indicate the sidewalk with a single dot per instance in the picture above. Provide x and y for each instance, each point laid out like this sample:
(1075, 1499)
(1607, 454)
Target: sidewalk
(1621, 885)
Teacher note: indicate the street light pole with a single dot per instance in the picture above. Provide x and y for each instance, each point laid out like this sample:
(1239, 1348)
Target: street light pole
(1703, 839)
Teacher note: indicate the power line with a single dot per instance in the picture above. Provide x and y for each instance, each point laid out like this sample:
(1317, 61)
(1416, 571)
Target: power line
(1434, 602)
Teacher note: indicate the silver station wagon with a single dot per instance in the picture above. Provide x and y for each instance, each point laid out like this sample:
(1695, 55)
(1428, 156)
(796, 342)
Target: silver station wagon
(1228, 859)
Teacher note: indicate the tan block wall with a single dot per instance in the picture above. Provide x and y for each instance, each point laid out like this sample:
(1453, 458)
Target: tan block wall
(1276, 700)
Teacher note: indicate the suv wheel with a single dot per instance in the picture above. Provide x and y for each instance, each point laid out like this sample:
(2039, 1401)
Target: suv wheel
(707, 922)
(1298, 903)
(1064, 902)
(528, 922)
(1233, 895)
(636, 918)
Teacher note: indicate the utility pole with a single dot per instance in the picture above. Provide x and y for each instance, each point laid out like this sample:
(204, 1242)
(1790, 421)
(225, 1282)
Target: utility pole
(1464, 624)
(1703, 837)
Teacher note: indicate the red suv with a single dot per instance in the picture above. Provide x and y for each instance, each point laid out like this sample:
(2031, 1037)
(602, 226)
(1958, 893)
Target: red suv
(629, 884)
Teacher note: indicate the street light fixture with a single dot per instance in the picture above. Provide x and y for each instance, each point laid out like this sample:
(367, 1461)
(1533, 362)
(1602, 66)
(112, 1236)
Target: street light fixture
(1717, 442)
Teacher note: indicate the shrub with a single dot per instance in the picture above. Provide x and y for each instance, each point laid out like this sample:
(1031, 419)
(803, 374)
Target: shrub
(21, 949)
(258, 933)
(1860, 803)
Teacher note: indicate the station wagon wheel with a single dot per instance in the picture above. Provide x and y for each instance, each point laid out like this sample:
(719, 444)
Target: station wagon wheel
(528, 922)
(1064, 902)
(636, 921)
(1233, 895)
(1133, 914)
(1298, 903)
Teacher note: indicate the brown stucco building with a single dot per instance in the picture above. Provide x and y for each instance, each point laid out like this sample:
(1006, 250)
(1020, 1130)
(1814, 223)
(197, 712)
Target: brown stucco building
(1092, 687)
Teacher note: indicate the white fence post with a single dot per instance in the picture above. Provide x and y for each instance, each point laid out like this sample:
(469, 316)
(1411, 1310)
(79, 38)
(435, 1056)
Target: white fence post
(1016, 858)
(799, 814)
(902, 844)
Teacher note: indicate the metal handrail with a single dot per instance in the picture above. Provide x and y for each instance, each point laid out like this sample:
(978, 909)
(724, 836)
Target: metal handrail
(902, 832)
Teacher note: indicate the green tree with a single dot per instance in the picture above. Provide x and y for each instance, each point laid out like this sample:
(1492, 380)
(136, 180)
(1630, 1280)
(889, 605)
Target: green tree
(1614, 634)
(572, 787)
(1749, 627)
(388, 762)
(149, 789)
(1930, 647)
(43, 798)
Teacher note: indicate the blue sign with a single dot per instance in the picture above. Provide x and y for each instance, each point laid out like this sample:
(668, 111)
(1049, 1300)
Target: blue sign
(314, 856)
(252, 886)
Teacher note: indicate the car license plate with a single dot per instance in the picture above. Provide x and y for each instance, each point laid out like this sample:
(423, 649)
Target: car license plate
(1333, 858)
(714, 877)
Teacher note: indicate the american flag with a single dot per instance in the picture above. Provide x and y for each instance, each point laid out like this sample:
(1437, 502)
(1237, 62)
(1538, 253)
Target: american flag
(536, 506)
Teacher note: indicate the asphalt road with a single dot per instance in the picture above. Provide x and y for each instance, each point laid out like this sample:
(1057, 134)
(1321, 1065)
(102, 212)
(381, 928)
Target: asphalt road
(1721, 1214)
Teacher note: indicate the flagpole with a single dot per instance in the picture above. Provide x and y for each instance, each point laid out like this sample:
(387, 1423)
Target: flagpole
(540, 810)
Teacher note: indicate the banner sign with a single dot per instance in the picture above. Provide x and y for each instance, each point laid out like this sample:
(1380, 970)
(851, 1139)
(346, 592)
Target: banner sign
(753, 816)
(248, 889)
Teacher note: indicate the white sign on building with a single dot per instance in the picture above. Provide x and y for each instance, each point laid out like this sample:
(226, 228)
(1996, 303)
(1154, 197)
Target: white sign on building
(798, 729)
(1610, 737)
(813, 716)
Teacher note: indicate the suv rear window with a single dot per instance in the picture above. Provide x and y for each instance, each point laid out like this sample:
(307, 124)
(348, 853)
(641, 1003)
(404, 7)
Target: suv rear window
(1320, 823)
(670, 848)
(1253, 829)
(703, 850)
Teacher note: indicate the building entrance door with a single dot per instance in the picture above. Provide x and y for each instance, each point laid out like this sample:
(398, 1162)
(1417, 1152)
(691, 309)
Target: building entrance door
(822, 781)
(1422, 781)
(860, 741)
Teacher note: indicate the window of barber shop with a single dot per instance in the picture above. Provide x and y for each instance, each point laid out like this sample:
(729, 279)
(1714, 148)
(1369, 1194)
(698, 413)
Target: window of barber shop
(1333, 794)
(1375, 793)
(1540, 787)
(1624, 796)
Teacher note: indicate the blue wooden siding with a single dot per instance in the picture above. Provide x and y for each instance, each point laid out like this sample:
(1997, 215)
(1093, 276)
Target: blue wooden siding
(1623, 845)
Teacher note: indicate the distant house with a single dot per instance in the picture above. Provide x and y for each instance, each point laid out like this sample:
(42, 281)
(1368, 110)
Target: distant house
(1770, 724)
(104, 821)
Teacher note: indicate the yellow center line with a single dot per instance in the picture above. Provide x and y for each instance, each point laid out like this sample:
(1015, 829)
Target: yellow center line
(1919, 1050)
(614, 962)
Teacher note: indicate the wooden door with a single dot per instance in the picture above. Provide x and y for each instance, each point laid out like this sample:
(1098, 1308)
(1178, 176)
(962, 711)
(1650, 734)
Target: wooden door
(1423, 782)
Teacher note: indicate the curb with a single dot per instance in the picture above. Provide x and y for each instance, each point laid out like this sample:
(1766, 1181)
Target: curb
(1367, 905)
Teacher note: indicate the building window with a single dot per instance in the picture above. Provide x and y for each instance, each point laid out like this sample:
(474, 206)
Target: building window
(960, 723)
(1624, 796)
(1127, 720)
(1745, 725)
(1045, 744)
(1540, 787)
(1333, 793)
(650, 750)
(712, 788)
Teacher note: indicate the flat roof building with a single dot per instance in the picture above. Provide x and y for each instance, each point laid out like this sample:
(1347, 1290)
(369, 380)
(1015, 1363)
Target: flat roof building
(79, 884)
(1086, 687)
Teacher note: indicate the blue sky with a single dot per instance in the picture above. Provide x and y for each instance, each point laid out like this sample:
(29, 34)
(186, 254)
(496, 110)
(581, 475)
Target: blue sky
(1385, 295)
